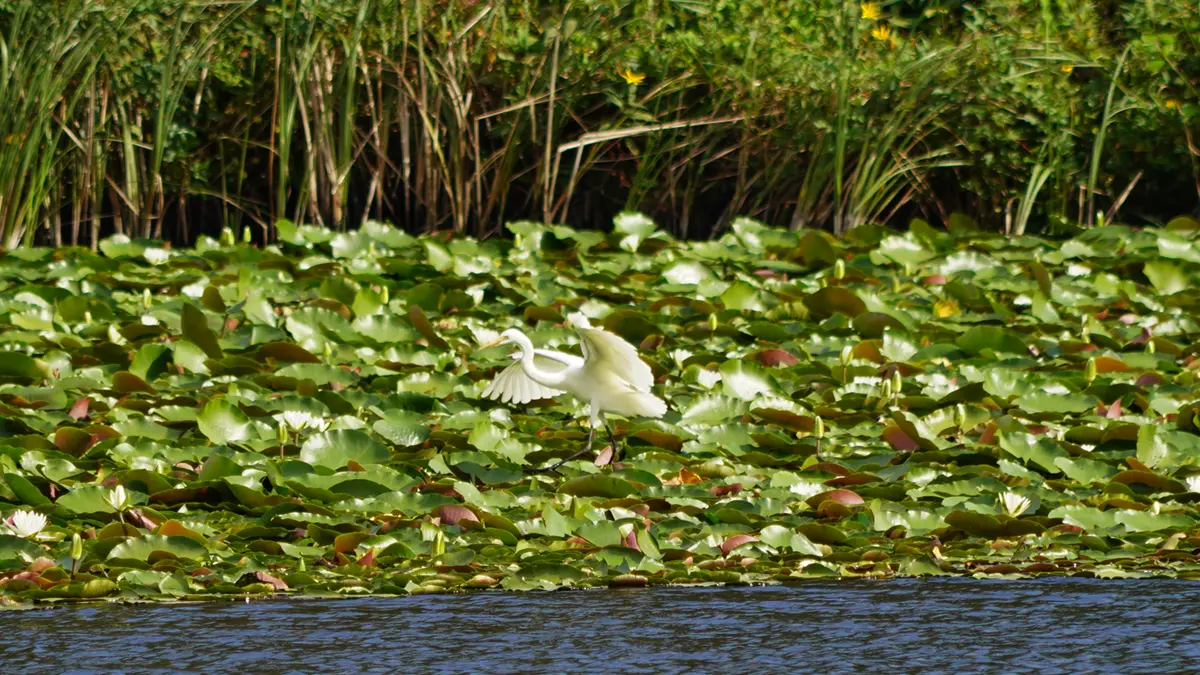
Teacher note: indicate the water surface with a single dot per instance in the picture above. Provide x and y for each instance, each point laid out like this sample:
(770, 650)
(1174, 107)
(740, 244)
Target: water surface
(1049, 625)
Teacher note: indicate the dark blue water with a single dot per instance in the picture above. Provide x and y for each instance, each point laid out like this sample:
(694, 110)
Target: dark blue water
(1047, 626)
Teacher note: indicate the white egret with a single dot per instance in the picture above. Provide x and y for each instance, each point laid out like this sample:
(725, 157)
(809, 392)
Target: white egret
(610, 377)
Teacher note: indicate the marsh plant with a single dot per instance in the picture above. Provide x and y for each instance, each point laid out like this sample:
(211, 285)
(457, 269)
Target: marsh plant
(168, 120)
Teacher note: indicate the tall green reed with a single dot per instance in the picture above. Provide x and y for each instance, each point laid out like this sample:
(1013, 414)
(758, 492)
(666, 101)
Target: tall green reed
(45, 54)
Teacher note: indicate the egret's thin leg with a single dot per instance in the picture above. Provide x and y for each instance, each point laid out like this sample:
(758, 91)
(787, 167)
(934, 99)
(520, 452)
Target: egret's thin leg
(595, 417)
(586, 449)
(616, 449)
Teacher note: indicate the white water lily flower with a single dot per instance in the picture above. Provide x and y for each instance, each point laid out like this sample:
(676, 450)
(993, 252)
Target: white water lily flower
(298, 420)
(25, 524)
(707, 378)
(679, 356)
(118, 498)
(1014, 504)
(156, 256)
(484, 335)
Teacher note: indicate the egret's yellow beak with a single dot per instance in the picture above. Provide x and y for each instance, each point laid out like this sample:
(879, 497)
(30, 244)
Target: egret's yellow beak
(493, 343)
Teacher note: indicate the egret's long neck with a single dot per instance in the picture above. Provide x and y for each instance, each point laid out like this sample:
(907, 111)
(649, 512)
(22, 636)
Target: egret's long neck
(530, 367)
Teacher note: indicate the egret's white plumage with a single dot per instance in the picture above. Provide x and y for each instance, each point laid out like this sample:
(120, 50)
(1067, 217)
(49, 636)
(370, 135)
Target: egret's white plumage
(512, 385)
(611, 376)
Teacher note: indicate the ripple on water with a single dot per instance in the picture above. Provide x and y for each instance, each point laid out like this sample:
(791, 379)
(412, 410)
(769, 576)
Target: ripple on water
(1045, 626)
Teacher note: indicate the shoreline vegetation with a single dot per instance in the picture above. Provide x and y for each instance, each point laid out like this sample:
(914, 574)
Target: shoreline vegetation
(306, 418)
(164, 120)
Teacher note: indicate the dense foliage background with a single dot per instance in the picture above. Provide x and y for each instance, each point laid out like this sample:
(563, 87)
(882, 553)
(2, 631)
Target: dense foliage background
(165, 119)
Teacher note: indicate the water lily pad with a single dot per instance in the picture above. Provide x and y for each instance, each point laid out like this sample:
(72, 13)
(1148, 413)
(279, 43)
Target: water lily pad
(145, 546)
(597, 485)
(835, 300)
(781, 537)
(195, 329)
(1038, 402)
(288, 352)
(551, 572)
(998, 340)
(88, 499)
(402, 430)
(25, 491)
(19, 548)
(1085, 471)
(19, 366)
(336, 448)
(1167, 277)
(223, 422)
(745, 380)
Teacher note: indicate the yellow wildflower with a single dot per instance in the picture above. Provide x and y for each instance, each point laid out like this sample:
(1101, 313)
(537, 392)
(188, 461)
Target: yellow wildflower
(1172, 104)
(882, 32)
(1067, 68)
(870, 11)
(945, 308)
(632, 78)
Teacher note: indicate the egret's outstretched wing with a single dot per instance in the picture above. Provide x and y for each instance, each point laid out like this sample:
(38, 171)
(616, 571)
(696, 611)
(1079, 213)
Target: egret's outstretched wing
(608, 354)
(569, 360)
(512, 385)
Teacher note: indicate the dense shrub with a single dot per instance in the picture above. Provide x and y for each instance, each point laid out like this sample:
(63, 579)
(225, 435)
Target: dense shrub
(466, 114)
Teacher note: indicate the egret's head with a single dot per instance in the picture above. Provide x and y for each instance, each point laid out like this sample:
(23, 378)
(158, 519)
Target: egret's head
(505, 337)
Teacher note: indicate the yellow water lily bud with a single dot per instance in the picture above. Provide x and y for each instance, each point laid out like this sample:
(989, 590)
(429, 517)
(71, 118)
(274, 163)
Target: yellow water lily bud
(897, 383)
(146, 298)
(839, 269)
(1089, 371)
(819, 428)
(438, 547)
(383, 295)
(76, 546)
(281, 434)
(960, 416)
(246, 236)
(945, 307)
(1150, 346)
(886, 389)
(847, 356)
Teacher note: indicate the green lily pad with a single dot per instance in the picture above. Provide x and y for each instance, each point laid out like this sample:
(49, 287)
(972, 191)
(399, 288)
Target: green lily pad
(597, 485)
(145, 546)
(223, 422)
(195, 330)
(336, 448)
(17, 548)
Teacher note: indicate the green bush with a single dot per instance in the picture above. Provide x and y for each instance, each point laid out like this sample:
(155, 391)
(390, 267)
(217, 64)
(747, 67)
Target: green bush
(467, 114)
